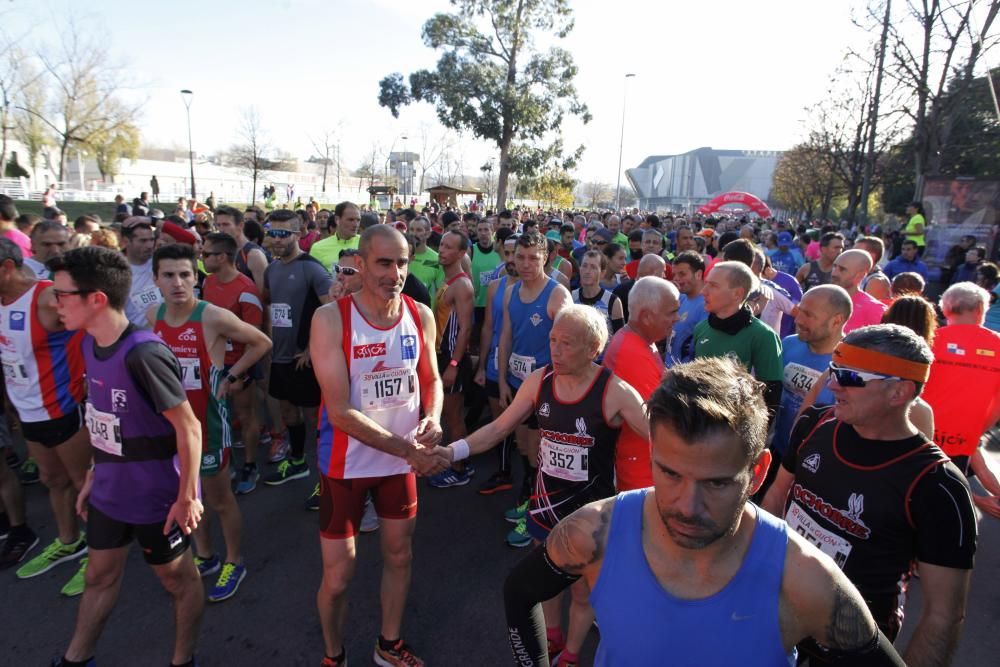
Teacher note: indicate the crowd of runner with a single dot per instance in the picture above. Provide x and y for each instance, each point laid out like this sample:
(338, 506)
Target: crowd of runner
(714, 429)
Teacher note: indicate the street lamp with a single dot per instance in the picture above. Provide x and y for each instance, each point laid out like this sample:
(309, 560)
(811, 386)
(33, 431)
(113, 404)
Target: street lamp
(621, 144)
(186, 95)
(405, 175)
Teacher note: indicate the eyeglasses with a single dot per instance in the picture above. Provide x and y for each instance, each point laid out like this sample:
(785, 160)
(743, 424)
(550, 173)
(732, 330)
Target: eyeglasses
(346, 270)
(60, 293)
(850, 378)
(280, 233)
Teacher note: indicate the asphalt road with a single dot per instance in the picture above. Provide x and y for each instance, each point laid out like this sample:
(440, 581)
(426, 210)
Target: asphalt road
(454, 615)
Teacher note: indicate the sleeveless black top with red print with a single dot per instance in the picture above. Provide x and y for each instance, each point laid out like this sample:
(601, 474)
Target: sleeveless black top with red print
(875, 506)
(576, 457)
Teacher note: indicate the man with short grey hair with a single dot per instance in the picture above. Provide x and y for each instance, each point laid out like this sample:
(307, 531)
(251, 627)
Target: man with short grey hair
(654, 304)
(964, 389)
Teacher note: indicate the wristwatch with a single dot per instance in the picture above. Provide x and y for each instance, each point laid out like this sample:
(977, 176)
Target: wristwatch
(232, 379)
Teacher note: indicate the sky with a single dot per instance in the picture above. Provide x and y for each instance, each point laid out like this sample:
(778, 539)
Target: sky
(728, 74)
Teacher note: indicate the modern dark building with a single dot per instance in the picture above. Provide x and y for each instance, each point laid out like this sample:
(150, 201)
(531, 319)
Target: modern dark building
(682, 183)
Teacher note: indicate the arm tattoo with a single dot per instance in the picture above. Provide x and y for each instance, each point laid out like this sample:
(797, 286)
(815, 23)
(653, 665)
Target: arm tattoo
(580, 541)
(848, 628)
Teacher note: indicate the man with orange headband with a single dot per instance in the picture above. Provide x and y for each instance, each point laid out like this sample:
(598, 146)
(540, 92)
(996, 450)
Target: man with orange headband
(861, 483)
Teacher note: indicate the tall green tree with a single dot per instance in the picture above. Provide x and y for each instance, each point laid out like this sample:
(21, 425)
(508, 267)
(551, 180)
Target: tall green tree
(493, 81)
(110, 146)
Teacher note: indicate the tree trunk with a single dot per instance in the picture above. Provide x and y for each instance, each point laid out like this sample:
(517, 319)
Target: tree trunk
(866, 182)
(326, 165)
(63, 149)
(253, 191)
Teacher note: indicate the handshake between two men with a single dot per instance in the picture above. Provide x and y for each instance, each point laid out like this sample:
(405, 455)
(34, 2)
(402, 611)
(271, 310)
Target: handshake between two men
(427, 456)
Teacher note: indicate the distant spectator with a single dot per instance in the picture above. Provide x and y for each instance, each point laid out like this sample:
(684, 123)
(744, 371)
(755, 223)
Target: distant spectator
(26, 222)
(8, 228)
(966, 272)
(907, 261)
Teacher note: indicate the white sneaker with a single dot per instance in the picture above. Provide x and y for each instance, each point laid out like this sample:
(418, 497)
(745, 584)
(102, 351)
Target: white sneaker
(369, 521)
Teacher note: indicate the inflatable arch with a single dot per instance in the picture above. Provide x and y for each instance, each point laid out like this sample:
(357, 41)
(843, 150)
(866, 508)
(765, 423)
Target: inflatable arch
(744, 198)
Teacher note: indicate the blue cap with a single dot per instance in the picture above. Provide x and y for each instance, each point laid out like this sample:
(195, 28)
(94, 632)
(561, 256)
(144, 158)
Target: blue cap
(785, 239)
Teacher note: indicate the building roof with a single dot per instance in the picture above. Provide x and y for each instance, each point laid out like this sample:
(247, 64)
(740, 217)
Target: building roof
(450, 188)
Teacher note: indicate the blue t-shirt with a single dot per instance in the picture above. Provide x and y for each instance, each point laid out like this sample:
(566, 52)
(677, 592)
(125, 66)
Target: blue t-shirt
(794, 290)
(681, 349)
(786, 261)
(900, 265)
(802, 369)
(993, 313)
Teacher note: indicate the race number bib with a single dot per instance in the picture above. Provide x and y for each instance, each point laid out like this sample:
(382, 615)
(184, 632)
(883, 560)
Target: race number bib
(105, 430)
(484, 278)
(521, 366)
(800, 379)
(190, 373)
(14, 373)
(829, 543)
(391, 388)
(147, 297)
(281, 315)
(567, 462)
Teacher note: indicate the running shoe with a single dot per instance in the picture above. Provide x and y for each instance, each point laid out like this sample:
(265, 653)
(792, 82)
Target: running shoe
(248, 480)
(287, 471)
(449, 477)
(495, 484)
(13, 460)
(28, 472)
(470, 470)
(369, 521)
(312, 502)
(53, 555)
(519, 536)
(265, 436)
(517, 514)
(58, 662)
(229, 580)
(399, 655)
(76, 584)
(4, 526)
(16, 547)
(339, 661)
(279, 449)
(208, 566)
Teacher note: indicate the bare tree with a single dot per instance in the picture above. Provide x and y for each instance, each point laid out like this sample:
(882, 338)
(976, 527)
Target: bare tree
(248, 153)
(434, 147)
(951, 42)
(84, 101)
(595, 193)
(327, 146)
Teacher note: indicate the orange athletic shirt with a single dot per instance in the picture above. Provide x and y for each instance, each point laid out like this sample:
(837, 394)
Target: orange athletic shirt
(636, 362)
(964, 386)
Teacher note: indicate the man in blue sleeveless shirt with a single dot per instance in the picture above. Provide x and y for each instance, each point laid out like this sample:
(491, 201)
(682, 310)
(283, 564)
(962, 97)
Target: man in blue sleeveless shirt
(718, 580)
(143, 484)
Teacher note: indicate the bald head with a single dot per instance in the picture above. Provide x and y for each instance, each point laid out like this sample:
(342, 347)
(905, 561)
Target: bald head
(651, 265)
(833, 299)
(850, 268)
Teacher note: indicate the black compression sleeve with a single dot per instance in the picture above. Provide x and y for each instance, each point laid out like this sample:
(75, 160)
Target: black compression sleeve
(533, 580)
(879, 653)
(617, 324)
(772, 397)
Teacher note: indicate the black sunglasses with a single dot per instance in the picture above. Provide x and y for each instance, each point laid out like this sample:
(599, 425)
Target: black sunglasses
(850, 378)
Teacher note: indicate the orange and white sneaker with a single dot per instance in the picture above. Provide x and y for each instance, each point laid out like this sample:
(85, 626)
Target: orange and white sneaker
(397, 655)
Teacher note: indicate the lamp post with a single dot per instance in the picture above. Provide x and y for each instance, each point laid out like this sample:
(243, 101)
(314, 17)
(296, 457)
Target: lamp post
(405, 174)
(186, 95)
(621, 144)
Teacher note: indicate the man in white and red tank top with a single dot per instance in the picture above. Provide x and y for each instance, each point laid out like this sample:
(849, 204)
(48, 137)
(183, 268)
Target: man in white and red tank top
(43, 374)
(372, 437)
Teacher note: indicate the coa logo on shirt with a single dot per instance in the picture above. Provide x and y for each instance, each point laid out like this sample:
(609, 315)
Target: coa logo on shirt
(369, 350)
(409, 343)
